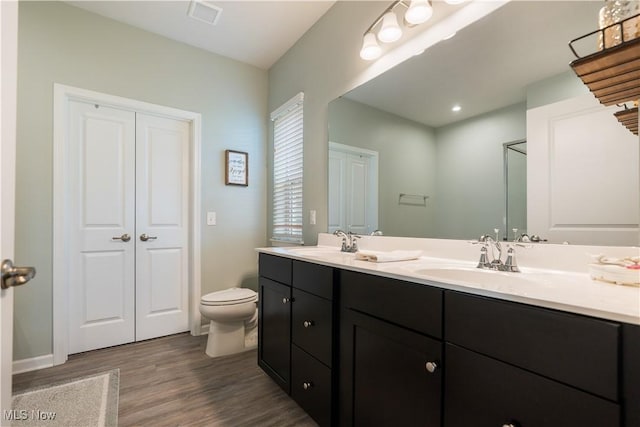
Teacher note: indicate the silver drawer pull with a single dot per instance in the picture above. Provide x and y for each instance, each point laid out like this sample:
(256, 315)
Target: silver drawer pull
(509, 425)
(125, 238)
(308, 323)
(144, 237)
(307, 385)
(431, 367)
(285, 300)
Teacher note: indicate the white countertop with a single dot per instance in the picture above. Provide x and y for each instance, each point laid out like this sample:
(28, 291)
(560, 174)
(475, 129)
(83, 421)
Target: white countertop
(568, 291)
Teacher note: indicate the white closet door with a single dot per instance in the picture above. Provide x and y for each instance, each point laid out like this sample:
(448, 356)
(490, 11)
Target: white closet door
(162, 174)
(102, 201)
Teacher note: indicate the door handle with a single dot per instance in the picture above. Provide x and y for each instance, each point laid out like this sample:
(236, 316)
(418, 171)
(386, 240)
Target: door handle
(15, 276)
(125, 238)
(144, 237)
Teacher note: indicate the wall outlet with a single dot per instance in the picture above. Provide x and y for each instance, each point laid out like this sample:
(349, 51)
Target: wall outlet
(312, 217)
(211, 218)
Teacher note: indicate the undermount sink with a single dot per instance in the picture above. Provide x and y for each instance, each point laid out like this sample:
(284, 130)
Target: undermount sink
(473, 276)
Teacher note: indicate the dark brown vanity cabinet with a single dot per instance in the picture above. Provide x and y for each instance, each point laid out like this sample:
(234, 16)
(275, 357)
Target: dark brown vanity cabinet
(296, 332)
(356, 349)
(390, 369)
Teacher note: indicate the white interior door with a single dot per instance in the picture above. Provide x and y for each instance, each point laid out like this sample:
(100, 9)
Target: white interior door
(358, 176)
(353, 189)
(583, 178)
(162, 293)
(9, 60)
(102, 245)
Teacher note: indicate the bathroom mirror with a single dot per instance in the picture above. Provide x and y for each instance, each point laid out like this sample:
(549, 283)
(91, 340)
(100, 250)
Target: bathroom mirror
(444, 174)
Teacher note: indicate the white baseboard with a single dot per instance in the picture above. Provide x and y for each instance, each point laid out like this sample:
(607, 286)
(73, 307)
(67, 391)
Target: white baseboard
(32, 364)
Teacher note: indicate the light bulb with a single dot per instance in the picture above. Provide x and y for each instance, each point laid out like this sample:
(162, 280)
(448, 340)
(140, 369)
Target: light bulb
(370, 48)
(419, 11)
(390, 30)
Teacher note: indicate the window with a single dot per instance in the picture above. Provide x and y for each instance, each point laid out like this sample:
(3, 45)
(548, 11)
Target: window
(287, 171)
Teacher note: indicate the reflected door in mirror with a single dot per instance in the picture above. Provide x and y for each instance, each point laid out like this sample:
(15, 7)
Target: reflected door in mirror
(353, 189)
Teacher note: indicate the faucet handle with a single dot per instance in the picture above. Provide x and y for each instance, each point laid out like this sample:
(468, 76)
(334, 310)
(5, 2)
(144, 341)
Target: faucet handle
(510, 263)
(484, 259)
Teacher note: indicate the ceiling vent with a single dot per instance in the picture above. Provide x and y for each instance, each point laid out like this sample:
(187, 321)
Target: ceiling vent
(204, 11)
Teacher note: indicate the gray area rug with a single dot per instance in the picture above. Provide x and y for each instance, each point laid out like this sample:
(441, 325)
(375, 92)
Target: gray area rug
(80, 402)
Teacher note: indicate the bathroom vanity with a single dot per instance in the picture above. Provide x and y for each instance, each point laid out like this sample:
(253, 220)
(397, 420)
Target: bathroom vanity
(358, 343)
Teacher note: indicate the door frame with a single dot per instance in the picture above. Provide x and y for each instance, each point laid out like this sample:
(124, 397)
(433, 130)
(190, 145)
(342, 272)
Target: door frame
(62, 95)
(8, 112)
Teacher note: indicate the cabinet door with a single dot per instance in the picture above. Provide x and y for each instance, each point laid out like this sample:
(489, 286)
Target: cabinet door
(384, 380)
(274, 329)
(481, 391)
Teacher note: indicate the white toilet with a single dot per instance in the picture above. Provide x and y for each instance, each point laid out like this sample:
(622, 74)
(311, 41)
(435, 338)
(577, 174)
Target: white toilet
(234, 317)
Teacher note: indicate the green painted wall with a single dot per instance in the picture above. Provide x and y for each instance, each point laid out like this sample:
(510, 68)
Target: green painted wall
(59, 43)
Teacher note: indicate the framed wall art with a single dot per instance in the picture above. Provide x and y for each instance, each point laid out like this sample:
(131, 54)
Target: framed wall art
(236, 168)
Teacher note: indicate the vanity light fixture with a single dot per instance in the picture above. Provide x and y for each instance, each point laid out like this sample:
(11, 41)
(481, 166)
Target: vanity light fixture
(370, 47)
(390, 30)
(418, 12)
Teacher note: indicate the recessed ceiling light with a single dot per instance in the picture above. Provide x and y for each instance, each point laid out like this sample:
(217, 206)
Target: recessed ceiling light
(456, 108)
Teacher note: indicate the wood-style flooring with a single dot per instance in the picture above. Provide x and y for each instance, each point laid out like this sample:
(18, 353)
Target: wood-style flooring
(170, 381)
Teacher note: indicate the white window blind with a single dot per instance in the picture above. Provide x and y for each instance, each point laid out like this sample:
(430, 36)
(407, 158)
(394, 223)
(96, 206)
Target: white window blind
(287, 170)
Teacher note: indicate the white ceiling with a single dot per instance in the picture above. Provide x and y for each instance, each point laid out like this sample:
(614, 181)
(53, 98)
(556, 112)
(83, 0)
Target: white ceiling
(486, 66)
(253, 32)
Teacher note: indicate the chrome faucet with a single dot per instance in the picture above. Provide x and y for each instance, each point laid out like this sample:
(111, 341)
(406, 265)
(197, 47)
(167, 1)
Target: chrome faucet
(352, 246)
(496, 262)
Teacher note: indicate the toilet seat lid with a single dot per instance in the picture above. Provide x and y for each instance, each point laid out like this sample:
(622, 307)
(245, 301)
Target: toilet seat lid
(229, 296)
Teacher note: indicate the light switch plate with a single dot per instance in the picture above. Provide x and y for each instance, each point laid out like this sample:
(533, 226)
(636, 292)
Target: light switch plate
(211, 218)
(312, 217)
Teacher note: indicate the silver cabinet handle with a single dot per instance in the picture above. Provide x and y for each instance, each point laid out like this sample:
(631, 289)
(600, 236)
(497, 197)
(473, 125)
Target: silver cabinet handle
(125, 237)
(509, 425)
(144, 237)
(307, 385)
(308, 323)
(285, 300)
(14, 276)
(431, 367)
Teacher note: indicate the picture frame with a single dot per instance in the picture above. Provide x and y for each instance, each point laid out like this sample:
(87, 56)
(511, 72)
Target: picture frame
(236, 170)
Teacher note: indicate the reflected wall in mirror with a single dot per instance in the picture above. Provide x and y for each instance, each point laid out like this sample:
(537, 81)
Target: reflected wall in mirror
(499, 69)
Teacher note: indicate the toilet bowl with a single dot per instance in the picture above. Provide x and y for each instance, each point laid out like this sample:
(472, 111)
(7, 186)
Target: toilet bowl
(233, 315)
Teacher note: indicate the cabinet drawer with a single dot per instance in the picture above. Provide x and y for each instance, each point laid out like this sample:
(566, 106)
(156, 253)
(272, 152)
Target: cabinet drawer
(411, 305)
(275, 268)
(573, 349)
(311, 325)
(313, 278)
(311, 386)
(481, 391)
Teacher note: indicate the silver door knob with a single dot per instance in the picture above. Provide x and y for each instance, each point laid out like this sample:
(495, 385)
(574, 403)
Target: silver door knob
(15, 276)
(285, 300)
(307, 385)
(308, 323)
(125, 237)
(431, 367)
(509, 425)
(144, 237)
